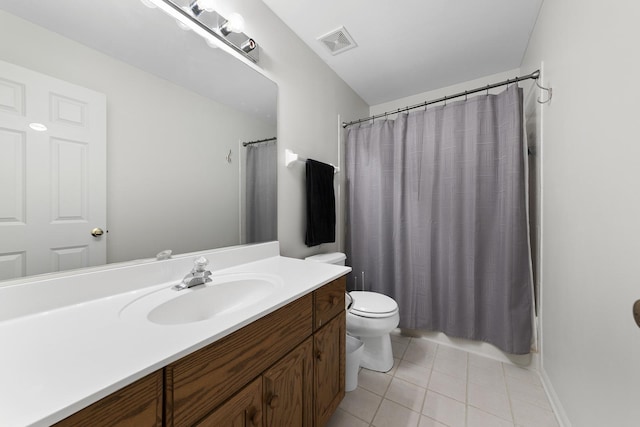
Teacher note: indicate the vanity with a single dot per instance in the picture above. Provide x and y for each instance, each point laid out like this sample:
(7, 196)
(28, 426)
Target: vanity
(94, 357)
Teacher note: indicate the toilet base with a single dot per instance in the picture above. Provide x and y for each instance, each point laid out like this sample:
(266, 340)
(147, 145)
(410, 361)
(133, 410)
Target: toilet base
(377, 354)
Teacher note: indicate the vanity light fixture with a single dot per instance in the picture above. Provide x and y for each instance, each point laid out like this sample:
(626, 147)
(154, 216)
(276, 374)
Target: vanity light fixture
(233, 24)
(199, 6)
(213, 27)
(38, 127)
(248, 46)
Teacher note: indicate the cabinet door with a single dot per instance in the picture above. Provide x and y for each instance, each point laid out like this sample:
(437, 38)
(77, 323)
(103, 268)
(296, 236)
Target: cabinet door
(329, 351)
(242, 410)
(288, 389)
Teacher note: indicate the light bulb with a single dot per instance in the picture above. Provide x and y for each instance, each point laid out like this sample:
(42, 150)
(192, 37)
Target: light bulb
(235, 23)
(208, 5)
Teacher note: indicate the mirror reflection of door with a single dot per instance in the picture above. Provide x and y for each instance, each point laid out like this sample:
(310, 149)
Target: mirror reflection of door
(61, 168)
(261, 192)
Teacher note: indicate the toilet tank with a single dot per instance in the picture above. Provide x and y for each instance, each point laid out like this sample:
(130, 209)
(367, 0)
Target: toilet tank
(337, 258)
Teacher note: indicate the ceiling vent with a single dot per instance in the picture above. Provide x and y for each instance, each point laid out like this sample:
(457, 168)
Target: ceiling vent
(338, 41)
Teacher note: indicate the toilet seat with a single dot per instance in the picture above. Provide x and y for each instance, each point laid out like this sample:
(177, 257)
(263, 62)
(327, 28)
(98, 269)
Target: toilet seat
(372, 304)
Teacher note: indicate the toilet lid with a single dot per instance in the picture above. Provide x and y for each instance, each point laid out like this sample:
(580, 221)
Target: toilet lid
(372, 304)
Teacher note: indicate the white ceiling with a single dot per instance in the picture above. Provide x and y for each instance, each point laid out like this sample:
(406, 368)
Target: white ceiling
(406, 47)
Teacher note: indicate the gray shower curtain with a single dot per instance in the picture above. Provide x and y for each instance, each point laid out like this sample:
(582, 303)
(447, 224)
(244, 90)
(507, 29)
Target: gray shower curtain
(261, 193)
(437, 218)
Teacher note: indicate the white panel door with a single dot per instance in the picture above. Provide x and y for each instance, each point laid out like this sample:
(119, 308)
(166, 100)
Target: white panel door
(53, 182)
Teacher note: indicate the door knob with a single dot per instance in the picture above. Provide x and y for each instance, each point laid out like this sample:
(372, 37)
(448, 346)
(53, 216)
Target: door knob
(97, 232)
(636, 312)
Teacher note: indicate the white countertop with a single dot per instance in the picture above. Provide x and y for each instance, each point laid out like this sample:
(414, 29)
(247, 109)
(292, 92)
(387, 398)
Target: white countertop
(56, 362)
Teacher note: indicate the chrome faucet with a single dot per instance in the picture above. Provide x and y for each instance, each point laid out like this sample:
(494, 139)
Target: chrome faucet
(199, 275)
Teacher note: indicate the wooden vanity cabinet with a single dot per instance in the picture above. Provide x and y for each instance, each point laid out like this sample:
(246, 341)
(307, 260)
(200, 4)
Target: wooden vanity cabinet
(329, 342)
(288, 389)
(296, 353)
(138, 404)
(329, 375)
(203, 380)
(284, 369)
(242, 410)
(328, 302)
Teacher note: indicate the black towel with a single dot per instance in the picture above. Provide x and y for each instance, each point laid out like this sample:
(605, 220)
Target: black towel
(321, 204)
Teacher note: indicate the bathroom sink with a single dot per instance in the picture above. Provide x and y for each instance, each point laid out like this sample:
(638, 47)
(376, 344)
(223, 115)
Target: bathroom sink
(224, 295)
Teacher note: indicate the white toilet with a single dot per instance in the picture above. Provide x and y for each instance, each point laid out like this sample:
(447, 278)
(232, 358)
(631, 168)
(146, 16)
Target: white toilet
(371, 317)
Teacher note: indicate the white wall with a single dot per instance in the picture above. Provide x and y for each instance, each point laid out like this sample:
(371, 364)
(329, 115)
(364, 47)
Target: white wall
(310, 98)
(590, 208)
(169, 186)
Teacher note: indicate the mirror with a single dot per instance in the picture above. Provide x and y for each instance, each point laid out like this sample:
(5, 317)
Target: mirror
(177, 113)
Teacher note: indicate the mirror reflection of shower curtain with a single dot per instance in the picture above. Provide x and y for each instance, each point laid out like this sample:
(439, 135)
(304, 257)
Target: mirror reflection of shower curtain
(437, 218)
(261, 193)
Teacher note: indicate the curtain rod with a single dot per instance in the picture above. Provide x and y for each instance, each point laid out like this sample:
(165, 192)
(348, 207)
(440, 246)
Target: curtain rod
(535, 76)
(244, 144)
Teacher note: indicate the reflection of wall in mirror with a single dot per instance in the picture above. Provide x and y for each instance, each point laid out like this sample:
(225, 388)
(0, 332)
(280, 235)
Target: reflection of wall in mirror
(169, 184)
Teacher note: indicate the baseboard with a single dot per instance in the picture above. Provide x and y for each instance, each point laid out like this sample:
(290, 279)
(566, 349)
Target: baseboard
(558, 409)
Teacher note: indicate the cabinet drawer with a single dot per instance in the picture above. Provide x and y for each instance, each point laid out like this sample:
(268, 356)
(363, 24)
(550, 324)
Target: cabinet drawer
(328, 302)
(138, 404)
(198, 383)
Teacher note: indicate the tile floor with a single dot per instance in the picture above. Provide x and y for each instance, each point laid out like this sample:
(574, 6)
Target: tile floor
(433, 385)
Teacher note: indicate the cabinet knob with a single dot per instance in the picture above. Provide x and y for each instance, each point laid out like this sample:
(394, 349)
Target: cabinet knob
(334, 300)
(254, 416)
(319, 355)
(274, 401)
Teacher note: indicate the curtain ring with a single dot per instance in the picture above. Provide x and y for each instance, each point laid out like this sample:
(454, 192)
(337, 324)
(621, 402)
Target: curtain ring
(487, 90)
(465, 95)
